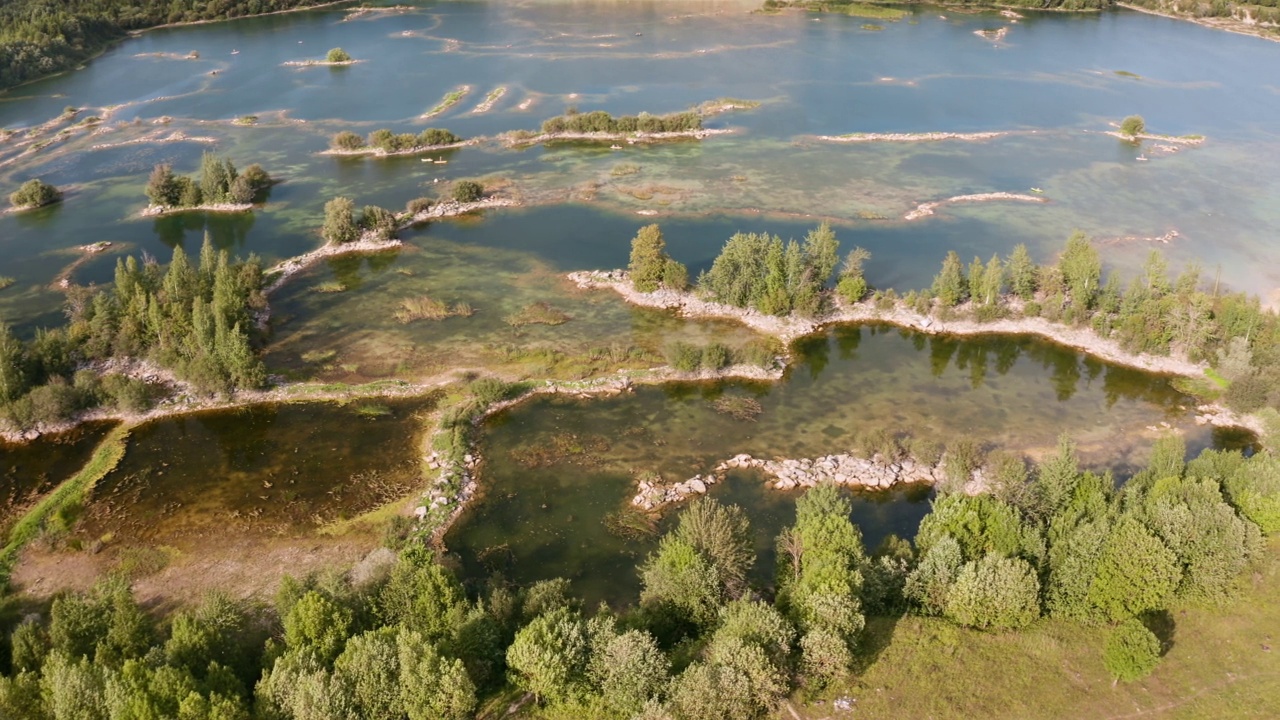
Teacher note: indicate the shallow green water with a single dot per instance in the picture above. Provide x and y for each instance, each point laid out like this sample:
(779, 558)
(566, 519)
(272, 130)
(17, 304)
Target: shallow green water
(555, 467)
(264, 470)
(30, 469)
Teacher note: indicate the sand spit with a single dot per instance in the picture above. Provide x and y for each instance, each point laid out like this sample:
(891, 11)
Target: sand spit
(630, 138)
(928, 208)
(157, 138)
(911, 137)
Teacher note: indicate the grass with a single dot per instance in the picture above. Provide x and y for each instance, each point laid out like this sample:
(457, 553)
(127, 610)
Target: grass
(246, 120)
(1126, 73)
(329, 287)
(538, 313)
(1222, 662)
(70, 494)
(738, 407)
(624, 169)
(372, 410)
(422, 308)
(6, 282)
(448, 101)
(875, 12)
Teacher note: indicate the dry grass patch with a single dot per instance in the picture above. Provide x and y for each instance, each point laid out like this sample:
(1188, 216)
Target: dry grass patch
(539, 313)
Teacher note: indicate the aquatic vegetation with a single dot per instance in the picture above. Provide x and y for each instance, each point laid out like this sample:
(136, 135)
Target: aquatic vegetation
(538, 313)
(739, 407)
(422, 308)
(6, 282)
(34, 193)
(449, 100)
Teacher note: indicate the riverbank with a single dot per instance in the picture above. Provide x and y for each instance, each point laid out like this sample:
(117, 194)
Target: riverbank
(160, 210)
(1231, 25)
(370, 151)
(911, 137)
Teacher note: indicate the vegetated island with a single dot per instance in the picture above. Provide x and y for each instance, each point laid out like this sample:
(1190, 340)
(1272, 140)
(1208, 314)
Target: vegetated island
(384, 143)
(600, 126)
(490, 100)
(220, 188)
(1134, 129)
(337, 57)
(450, 99)
(33, 194)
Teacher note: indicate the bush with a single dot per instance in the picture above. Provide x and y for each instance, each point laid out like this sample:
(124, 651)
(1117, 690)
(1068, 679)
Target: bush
(418, 205)
(437, 136)
(715, 356)
(337, 55)
(35, 193)
(467, 191)
(684, 357)
(339, 222)
(346, 140)
(1132, 651)
(1133, 125)
(994, 593)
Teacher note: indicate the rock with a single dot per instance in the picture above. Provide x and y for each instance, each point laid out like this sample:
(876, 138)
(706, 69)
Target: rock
(697, 486)
(420, 512)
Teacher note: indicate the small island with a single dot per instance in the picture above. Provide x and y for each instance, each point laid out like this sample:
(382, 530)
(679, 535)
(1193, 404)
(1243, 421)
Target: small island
(600, 126)
(220, 188)
(384, 143)
(1134, 129)
(337, 57)
(34, 193)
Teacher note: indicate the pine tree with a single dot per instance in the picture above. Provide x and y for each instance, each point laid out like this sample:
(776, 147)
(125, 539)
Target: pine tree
(648, 259)
(950, 286)
(163, 188)
(1081, 269)
(339, 222)
(1022, 273)
(13, 376)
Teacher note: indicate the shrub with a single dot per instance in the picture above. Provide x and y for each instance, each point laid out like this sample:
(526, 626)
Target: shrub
(346, 140)
(995, 592)
(337, 55)
(467, 191)
(35, 193)
(339, 222)
(1132, 651)
(715, 356)
(1133, 125)
(380, 221)
(418, 205)
(383, 139)
(437, 136)
(684, 357)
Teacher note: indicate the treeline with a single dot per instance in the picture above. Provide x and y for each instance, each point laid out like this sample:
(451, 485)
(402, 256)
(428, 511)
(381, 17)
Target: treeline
(195, 320)
(219, 183)
(404, 638)
(390, 142)
(1261, 11)
(42, 37)
(1153, 313)
(840, 5)
(599, 121)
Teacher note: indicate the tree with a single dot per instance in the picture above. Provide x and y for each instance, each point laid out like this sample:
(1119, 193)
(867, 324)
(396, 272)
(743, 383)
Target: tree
(819, 582)
(628, 670)
(13, 374)
(73, 689)
(1022, 273)
(995, 592)
(950, 286)
(337, 55)
(216, 176)
(339, 222)
(852, 285)
(722, 534)
(1136, 572)
(549, 656)
(422, 596)
(467, 191)
(346, 140)
(34, 193)
(712, 692)
(1133, 126)
(432, 687)
(677, 575)
(318, 624)
(648, 259)
(1254, 489)
(1081, 269)
(369, 667)
(980, 524)
(163, 188)
(1132, 651)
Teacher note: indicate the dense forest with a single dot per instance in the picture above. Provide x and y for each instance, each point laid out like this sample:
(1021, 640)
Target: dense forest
(41, 37)
(402, 637)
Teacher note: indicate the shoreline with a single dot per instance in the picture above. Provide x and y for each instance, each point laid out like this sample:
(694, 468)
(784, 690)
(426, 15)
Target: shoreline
(318, 63)
(453, 97)
(630, 138)
(151, 211)
(1231, 25)
(370, 151)
(489, 100)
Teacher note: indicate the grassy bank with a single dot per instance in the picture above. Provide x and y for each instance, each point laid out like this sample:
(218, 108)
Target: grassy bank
(62, 504)
(1220, 662)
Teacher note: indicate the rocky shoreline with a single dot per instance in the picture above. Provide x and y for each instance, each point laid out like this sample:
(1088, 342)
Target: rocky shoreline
(632, 138)
(911, 137)
(789, 474)
(159, 210)
(379, 152)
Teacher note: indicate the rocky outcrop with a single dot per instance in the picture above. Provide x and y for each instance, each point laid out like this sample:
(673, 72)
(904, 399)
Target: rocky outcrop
(788, 474)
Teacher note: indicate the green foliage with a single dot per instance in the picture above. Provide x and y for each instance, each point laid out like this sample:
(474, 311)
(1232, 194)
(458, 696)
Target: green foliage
(602, 122)
(819, 578)
(319, 625)
(467, 191)
(346, 140)
(1136, 572)
(1132, 651)
(721, 534)
(980, 525)
(995, 592)
(678, 576)
(1253, 487)
(1022, 274)
(684, 357)
(759, 271)
(628, 669)
(549, 656)
(337, 55)
(432, 687)
(950, 285)
(1081, 269)
(34, 193)
(340, 222)
(1133, 125)
(928, 587)
(650, 267)
(219, 183)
